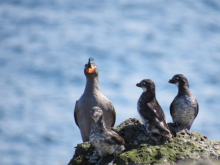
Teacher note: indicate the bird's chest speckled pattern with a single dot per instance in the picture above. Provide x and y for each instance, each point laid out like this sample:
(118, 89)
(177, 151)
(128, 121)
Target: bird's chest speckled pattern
(184, 108)
(98, 138)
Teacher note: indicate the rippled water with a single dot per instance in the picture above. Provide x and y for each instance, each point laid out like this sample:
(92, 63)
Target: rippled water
(44, 45)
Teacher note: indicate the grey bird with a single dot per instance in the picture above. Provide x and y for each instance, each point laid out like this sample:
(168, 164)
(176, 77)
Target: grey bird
(105, 140)
(184, 108)
(91, 97)
(151, 112)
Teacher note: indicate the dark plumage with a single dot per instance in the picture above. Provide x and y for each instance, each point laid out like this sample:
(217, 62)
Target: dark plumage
(184, 107)
(150, 110)
(91, 97)
(105, 140)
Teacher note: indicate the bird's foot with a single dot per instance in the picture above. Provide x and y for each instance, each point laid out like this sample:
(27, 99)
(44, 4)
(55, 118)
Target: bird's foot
(173, 132)
(142, 128)
(189, 132)
(111, 163)
(100, 161)
(166, 141)
(155, 137)
(159, 139)
(176, 124)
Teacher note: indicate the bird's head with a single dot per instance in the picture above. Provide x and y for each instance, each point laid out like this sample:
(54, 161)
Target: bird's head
(146, 85)
(91, 69)
(179, 80)
(96, 113)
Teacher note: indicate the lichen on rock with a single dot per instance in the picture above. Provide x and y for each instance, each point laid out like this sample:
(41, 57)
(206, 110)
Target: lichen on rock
(142, 150)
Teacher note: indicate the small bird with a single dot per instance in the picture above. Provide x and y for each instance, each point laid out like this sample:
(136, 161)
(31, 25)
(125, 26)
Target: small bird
(184, 107)
(105, 140)
(91, 97)
(151, 112)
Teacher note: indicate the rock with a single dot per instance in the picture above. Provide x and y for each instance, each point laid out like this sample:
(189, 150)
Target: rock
(141, 150)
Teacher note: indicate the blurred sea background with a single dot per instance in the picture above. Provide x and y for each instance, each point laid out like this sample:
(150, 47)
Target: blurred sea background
(44, 45)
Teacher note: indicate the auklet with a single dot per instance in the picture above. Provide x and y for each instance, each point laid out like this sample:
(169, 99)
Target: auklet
(184, 107)
(91, 97)
(151, 112)
(105, 140)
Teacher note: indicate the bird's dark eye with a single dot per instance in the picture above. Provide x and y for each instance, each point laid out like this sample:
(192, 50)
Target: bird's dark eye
(177, 77)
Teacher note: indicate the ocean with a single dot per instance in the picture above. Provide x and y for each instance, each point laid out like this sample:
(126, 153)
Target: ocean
(44, 45)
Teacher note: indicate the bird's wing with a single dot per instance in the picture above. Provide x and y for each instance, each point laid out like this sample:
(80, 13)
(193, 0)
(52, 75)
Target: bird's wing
(76, 109)
(114, 116)
(157, 115)
(171, 109)
(197, 110)
(115, 138)
(151, 112)
(111, 108)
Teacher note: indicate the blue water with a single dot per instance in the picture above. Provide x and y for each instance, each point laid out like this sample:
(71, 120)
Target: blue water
(44, 45)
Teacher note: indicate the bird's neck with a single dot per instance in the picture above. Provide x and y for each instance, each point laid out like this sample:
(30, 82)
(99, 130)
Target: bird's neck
(101, 124)
(92, 85)
(183, 90)
(148, 96)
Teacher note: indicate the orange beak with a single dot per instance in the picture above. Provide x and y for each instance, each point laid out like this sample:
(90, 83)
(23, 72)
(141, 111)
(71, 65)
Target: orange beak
(89, 70)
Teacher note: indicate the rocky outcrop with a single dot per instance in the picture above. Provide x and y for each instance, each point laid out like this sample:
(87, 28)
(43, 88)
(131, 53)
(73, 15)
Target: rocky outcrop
(142, 150)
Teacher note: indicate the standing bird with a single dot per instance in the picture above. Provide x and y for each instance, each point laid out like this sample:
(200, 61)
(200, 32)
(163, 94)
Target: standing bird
(151, 112)
(184, 107)
(91, 97)
(105, 140)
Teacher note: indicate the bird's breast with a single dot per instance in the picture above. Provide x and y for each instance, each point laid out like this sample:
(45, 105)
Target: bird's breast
(141, 104)
(184, 109)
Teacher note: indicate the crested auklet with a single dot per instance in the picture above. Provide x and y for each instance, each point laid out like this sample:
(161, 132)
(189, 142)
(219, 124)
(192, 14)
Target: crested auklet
(151, 112)
(105, 140)
(184, 107)
(91, 97)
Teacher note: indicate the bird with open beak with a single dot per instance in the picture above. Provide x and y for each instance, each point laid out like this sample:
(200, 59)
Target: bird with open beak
(91, 97)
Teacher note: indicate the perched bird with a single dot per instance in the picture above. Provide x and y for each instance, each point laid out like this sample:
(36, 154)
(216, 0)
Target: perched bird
(105, 140)
(151, 112)
(91, 97)
(184, 107)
